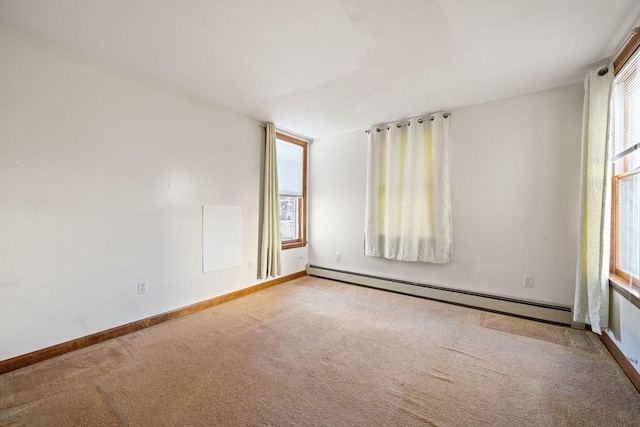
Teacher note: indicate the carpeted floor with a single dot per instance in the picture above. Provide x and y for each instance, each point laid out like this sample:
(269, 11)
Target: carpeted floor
(313, 352)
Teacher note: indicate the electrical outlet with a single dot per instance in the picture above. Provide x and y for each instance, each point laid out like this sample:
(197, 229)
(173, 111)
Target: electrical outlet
(249, 264)
(338, 256)
(142, 287)
(527, 281)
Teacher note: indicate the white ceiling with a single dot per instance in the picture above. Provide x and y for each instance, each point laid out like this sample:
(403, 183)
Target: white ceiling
(325, 67)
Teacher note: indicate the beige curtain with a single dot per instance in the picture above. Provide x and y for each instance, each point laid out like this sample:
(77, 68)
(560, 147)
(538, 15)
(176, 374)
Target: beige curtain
(408, 205)
(591, 304)
(270, 244)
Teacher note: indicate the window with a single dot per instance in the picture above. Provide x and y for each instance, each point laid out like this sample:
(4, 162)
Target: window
(292, 183)
(625, 157)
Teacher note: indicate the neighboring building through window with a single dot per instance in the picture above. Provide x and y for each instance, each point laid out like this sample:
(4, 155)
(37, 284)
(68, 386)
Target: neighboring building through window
(625, 156)
(292, 183)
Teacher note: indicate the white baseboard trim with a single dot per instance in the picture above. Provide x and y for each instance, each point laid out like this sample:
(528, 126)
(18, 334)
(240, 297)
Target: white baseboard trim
(529, 309)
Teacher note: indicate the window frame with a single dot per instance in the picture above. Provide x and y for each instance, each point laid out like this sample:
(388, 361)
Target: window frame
(301, 241)
(615, 252)
(619, 278)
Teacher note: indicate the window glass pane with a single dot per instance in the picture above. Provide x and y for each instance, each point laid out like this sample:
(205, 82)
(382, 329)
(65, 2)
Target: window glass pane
(290, 157)
(633, 160)
(288, 218)
(625, 126)
(629, 224)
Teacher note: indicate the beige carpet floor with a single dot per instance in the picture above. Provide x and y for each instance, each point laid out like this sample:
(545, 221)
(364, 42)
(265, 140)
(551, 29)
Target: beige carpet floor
(313, 352)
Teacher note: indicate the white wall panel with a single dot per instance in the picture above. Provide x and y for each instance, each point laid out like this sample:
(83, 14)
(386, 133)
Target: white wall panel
(624, 328)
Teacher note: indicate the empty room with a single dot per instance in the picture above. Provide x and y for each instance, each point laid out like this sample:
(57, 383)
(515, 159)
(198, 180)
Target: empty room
(320, 213)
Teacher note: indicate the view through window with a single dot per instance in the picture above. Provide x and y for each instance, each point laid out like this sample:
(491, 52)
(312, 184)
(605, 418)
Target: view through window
(292, 182)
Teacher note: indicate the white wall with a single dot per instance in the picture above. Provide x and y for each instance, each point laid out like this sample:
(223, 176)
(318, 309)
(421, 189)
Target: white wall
(515, 172)
(624, 327)
(103, 178)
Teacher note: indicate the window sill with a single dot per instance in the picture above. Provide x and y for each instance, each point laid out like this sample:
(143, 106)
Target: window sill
(629, 292)
(293, 245)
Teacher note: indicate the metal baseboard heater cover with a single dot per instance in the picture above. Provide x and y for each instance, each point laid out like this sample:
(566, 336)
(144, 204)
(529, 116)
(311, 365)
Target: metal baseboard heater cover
(529, 309)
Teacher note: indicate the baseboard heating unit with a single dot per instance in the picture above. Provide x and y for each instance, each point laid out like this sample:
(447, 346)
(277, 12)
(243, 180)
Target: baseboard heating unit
(529, 309)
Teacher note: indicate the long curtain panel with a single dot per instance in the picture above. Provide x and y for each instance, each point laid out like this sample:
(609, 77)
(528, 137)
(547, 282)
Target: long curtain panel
(591, 304)
(408, 203)
(270, 243)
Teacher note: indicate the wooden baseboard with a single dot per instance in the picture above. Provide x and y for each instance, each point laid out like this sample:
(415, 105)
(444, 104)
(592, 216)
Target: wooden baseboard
(628, 369)
(21, 361)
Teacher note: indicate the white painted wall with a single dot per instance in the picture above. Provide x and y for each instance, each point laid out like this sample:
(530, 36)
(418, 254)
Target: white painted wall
(624, 327)
(103, 178)
(515, 172)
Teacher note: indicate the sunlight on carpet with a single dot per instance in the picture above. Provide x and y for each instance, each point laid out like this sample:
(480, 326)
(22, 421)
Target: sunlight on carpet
(542, 331)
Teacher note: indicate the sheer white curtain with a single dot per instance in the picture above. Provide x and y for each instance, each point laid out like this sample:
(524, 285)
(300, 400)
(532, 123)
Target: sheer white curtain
(408, 206)
(591, 304)
(270, 244)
